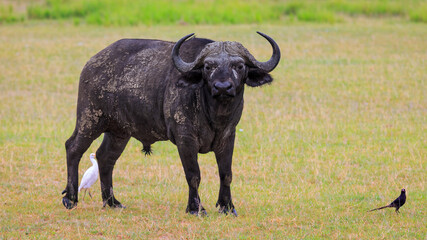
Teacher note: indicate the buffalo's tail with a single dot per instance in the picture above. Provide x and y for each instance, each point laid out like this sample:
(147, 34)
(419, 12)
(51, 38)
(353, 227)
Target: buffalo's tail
(147, 150)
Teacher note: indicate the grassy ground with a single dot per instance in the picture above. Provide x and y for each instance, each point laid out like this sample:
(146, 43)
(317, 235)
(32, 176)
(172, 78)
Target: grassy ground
(340, 131)
(147, 12)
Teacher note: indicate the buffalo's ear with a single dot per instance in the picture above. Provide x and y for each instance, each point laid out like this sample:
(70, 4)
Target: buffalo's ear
(257, 77)
(190, 78)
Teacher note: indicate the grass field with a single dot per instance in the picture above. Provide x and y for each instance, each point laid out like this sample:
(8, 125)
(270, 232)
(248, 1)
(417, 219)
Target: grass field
(149, 12)
(340, 131)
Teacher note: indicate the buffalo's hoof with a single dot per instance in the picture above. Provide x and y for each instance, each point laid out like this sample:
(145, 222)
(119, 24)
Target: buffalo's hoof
(201, 213)
(225, 211)
(113, 204)
(195, 208)
(197, 211)
(229, 208)
(118, 206)
(68, 203)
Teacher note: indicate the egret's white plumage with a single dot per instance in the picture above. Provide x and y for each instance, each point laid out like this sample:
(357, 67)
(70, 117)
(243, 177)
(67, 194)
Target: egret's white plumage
(90, 176)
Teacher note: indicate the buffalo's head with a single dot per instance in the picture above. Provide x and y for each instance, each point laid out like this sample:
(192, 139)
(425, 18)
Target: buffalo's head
(227, 66)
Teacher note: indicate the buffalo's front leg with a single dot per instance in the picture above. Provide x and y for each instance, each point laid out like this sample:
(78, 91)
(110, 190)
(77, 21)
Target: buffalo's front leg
(188, 153)
(224, 156)
(110, 150)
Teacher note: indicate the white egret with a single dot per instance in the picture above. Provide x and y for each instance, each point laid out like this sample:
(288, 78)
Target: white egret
(90, 176)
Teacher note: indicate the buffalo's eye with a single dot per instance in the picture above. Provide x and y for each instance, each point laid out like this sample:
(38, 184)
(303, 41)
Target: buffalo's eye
(238, 67)
(210, 67)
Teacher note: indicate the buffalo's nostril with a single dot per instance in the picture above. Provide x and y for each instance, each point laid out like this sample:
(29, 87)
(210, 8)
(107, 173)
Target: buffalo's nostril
(223, 85)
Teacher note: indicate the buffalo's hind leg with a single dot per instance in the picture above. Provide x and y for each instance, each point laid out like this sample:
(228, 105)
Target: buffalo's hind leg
(75, 146)
(110, 150)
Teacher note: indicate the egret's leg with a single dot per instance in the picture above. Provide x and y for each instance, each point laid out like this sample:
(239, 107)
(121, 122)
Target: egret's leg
(84, 195)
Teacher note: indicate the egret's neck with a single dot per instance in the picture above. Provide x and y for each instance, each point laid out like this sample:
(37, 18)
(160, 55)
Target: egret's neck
(94, 162)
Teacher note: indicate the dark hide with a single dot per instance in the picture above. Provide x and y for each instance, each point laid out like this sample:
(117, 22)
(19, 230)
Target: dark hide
(133, 89)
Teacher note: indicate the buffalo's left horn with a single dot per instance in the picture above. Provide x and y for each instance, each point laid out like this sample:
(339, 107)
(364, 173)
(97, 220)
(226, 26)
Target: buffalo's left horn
(182, 66)
(275, 58)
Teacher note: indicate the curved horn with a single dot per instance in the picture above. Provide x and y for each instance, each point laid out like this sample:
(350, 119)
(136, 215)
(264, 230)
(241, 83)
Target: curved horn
(275, 58)
(182, 66)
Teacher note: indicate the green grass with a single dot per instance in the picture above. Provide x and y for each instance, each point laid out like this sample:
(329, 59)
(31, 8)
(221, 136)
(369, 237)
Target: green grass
(340, 131)
(418, 15)
(8, 15)
(127, 12)
(149, 12)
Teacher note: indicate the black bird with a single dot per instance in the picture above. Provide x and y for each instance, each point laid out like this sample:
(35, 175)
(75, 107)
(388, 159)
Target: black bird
(397, 203)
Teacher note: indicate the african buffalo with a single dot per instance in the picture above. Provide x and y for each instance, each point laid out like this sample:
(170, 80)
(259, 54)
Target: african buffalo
(188, 92)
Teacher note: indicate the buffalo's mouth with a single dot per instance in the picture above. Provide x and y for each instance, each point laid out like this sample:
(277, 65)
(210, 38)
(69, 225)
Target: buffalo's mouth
(223, 97)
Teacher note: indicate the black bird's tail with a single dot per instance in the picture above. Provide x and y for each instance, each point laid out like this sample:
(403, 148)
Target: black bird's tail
(380, 208)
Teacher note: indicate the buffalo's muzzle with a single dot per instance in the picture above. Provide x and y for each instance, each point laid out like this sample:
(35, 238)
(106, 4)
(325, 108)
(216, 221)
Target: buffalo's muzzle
(224, 89)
